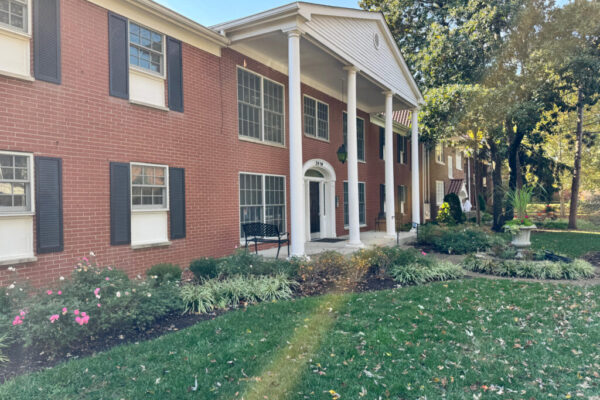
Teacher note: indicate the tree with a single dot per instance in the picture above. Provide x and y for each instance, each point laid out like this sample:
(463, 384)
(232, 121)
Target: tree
(573, 37)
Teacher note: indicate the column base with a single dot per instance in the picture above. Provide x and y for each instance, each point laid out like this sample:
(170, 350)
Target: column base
(357, 245)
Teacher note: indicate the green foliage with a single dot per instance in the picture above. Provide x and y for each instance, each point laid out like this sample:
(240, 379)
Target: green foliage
(482, 204)
(221, 294)
(204, 268)
(455, 207)
(444, 216)
(578, 269)
(247, 263)
(3, 345)
(411, 268)
(164, 272)
(94, 301)
(455, 240)
(520, 199)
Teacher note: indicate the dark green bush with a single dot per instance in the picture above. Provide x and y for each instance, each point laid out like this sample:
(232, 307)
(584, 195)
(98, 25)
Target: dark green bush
(457, 240)
(481, 201)
(559, 225)
(409, 267)
(455, 207)
(205, 268)
(164, 272)
(247, 263)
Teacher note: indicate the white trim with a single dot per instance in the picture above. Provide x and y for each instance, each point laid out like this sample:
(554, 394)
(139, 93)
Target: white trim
(317, 101)
(148, 105)
(459, 159)
(31, 171)
(27, 78)
(150, 245)
(346, 227)
(17, 261)
(166, 206)
(450, 167)
(439, 200)
(262, 108)
(264, 206)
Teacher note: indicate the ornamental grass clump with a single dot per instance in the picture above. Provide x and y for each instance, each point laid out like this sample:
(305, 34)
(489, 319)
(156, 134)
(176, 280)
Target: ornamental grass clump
(519, 199)
(578, 269)
(408, 267)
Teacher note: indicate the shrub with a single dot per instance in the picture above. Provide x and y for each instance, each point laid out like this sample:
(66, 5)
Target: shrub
(93, 302)
(455, 207)
(559, 225)
(3, 345)
(247, 263)
(408, 268)
(164, 273)
(221, 294)
(578, 269)
(444, 216)
(204, 268)
(481, 201)
(462, 241)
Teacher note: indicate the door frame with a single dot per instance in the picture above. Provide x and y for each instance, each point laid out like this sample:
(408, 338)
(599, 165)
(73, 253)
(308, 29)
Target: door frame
(327, 209)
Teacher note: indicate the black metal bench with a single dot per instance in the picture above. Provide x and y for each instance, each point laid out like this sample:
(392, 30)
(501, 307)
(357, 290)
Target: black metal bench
(258, 232)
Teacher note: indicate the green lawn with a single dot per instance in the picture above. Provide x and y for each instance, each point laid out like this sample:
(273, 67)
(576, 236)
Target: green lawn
(574, 244)
(453, 340)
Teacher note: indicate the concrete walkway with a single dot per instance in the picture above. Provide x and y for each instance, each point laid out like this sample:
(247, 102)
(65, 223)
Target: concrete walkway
(369, 239)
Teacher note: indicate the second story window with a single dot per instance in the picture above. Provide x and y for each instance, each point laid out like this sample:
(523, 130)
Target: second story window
(439, 153)
(316, 118)
(260, 108)
(146, 48)
(13, 13)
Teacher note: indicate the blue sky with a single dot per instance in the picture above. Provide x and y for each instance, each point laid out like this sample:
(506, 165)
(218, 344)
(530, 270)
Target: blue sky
(213, 12)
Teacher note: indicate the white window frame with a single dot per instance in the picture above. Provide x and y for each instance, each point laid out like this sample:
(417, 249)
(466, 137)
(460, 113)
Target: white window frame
(439, 153)
(364, 146)
(316, 117)
(163, 64)
(439, 200)
(27, 20)
(403, 153)
(264, 200)
(146, 208)
(459, 160)
(362, 225)
(26, 210)
(402, 202)
(450, 168)
(262, 110)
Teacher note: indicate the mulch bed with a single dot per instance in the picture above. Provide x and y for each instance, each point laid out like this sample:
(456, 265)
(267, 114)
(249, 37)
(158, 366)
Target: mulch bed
(24, 361)
(593, 258)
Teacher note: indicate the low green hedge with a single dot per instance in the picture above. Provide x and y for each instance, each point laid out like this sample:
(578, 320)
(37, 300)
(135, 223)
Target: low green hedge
(456, 240)
(578, 269)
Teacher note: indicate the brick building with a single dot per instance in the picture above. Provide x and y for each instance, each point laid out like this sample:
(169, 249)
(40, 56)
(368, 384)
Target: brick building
(131, 131)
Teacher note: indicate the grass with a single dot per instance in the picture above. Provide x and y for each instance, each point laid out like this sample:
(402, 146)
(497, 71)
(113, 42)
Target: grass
(573, 244)
(459, 340)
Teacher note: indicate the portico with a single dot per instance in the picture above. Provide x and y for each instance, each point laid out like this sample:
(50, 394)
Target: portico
(351, 56)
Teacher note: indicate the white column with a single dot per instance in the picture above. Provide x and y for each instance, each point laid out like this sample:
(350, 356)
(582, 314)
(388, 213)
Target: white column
(295, 116)
(352, 148)
(414, 165)
(390, 206)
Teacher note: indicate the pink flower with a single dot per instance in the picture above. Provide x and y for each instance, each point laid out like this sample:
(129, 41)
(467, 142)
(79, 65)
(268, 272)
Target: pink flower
(17, 321)
(49, 292)
(64, 310)
(99, 305)
(22, 313)
(85, 259)
(54, 318)
(96, 291)
(107, 278)
(59, 292)
(422, 252)
(83, 314)
(76, 312)
(78, 320)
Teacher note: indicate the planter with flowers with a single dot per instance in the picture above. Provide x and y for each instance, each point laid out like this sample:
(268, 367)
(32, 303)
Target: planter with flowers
(521, 226)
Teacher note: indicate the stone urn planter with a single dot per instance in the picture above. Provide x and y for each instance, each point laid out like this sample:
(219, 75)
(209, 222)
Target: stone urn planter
(522, 239)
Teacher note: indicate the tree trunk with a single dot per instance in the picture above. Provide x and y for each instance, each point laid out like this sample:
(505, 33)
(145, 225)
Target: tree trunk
(513, 164)
(577, 166)
(498, 193)
(477, 186)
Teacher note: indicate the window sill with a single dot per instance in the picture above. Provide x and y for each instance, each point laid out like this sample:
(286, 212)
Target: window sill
(27, 78)
(14, 32)
(439, 162)
(16, 261)
(143, 104)
(17, 214)
(150, 245)
(149, 210)
(148, 73)
(250, 140)
(316, 138)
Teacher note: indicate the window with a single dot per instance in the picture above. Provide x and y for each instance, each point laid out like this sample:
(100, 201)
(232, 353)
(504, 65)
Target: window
(360, 135)
(402, 197)
(262, 199)
(401, 150)
(362, 211)
(381, 143)
(459, 160)
(149, 187)
(450, 168)
(15, 182)
(145, 48)
(260, 108)
(439, 153)
(316, 118)
(13, 13)
(439, 192)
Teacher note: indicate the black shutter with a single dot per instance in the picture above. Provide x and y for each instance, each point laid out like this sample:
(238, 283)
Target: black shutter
(381, 198)
(177, 202)
(118, 56)
(120, 204)
(46, 40)
(381, 142)
(48, 199)
(174, 74)
(398, 144)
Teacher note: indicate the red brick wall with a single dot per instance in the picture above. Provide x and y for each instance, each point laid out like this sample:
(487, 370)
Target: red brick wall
(79, 122)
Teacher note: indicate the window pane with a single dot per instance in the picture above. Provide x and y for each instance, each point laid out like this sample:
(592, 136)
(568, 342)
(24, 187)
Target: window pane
(6, 160)
(21, 174)
(19, 201)
(5, 201)
(3, 5)
(5, 188)
(273, 103)
(7, 173)
(360, 135)
(309, 116)
(323, 121)
(362, 212)
(18, 188)
(136, 200)
(3, 17)
(136, 175)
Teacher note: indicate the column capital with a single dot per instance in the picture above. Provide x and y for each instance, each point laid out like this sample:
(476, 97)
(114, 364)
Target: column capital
(388, 93)
(351, 68)
(292, 32)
